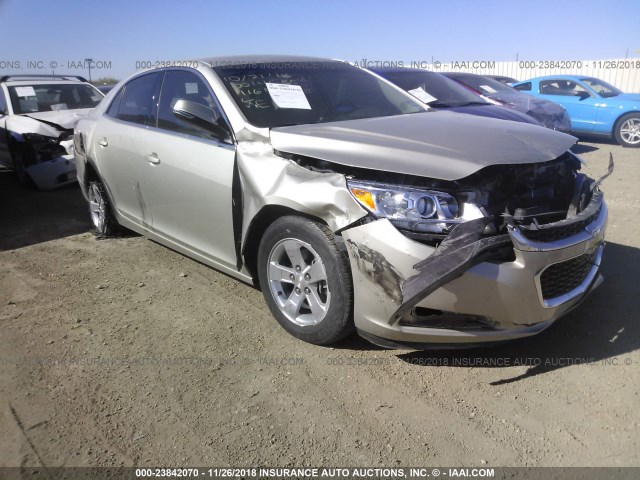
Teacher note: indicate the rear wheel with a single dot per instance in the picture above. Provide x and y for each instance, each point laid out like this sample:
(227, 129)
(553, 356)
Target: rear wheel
(100, 210)
(306, 280)
(627, 130)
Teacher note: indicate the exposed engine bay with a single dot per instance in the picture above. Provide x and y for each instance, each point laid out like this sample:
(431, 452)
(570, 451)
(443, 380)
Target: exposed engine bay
(427, 210)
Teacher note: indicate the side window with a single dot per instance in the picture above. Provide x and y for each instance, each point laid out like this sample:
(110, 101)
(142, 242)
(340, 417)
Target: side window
(3, 103)
(199, 114)
(138, 100)
(565, 88)
(523, 87)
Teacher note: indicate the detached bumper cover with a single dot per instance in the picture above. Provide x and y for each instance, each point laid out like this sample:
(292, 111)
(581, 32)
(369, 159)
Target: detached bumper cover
(460, 292)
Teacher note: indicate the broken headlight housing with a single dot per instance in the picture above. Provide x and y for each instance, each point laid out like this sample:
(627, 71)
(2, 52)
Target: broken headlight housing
(417, 210)
(40, 142)
(43, 146)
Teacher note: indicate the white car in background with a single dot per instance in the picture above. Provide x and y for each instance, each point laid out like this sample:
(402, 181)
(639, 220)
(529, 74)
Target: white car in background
(37, 117)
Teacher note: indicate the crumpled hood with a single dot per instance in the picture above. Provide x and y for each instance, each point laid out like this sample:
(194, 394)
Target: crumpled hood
(64, 118)
(440, 145)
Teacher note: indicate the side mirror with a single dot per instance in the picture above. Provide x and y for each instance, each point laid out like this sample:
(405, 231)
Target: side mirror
(196, 113)
(203, 117)
(583, 95)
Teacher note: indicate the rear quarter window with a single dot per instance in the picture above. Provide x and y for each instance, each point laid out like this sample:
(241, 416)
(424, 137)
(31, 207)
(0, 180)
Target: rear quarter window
(523, 87)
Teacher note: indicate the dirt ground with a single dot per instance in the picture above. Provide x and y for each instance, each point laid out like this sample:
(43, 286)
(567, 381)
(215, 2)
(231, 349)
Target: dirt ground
(122, 352)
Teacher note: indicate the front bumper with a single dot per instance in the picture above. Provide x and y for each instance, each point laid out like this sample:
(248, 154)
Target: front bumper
(57, 172)
(399, 298)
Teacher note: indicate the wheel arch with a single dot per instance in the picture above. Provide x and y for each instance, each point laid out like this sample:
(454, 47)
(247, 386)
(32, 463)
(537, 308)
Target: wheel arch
(91, 174)
(617, 121)
(259, 224)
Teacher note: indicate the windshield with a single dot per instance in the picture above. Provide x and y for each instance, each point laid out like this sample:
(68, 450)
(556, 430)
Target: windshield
(602, 88)
(295, 93)
(484, 85)
(445, 92)
(53, 97)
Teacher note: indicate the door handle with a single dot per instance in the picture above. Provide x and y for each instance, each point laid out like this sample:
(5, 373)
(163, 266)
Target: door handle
(103, 142)
(153, 158)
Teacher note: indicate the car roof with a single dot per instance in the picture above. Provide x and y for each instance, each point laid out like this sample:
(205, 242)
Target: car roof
(564, 77)
(462, 74)
(500, 76)
(34, 78)
(401, 70)
(456, 74)
(230, 60)
(12, 83)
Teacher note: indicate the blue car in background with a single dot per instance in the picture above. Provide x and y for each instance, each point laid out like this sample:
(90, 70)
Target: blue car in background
(594, 106)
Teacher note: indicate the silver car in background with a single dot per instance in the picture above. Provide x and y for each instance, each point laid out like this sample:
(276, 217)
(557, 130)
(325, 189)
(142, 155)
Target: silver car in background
(348, 202)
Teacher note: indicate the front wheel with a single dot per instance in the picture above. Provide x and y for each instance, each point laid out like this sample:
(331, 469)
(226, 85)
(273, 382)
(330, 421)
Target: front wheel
(627, 130)
(100, 210)
(306, 280)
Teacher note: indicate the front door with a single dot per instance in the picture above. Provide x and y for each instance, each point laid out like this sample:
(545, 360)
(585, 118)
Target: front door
(188, 173)
(581, 105)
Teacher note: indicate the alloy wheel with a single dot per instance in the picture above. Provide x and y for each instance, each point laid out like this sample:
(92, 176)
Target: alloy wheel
(298, 282)
(630, 131)
(97, 207)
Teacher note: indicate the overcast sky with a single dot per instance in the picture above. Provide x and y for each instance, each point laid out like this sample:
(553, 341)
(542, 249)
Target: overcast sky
(125, 33)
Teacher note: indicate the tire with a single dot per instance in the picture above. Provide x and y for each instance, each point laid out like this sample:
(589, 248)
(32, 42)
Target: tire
(627, 130)
(101, 212)
(315, 301)
(20, 158)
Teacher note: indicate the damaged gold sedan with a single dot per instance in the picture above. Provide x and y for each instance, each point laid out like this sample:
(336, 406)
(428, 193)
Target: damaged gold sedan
(352, 206)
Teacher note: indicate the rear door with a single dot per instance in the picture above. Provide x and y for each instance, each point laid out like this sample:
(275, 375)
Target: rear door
(119, 140)
(188, 172)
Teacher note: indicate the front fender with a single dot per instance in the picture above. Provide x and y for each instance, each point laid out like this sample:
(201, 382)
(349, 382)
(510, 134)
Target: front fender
(267, 179)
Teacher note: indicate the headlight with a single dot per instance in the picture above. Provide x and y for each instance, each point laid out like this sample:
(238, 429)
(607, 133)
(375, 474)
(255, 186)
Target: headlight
(422, 211)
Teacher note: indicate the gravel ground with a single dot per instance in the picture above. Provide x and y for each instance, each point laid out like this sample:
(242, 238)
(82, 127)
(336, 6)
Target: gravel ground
(122, 352)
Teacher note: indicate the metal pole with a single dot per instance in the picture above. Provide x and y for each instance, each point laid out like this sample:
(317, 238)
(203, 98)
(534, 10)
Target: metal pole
(89, 60)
